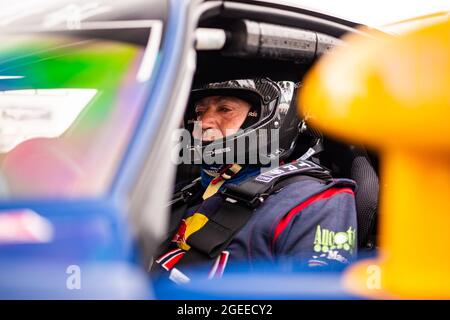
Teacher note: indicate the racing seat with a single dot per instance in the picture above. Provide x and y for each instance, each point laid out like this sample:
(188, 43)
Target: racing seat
(367, 198)
(356, 163)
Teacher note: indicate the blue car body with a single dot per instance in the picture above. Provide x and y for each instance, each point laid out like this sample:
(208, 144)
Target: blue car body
(93, 233)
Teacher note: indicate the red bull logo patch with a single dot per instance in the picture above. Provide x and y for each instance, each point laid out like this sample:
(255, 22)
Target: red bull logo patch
(187, 228)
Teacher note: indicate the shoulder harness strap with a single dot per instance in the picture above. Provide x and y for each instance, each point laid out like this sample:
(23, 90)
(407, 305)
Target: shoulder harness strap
(253, 192)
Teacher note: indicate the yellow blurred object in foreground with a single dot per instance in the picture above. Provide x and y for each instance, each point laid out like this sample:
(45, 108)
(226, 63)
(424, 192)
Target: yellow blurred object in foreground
(393, 94)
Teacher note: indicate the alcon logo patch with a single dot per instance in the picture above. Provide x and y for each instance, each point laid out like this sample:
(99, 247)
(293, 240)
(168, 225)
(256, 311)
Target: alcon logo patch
(326, 240)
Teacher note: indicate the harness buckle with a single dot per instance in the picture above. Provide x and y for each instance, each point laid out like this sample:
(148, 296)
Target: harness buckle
(234, 194)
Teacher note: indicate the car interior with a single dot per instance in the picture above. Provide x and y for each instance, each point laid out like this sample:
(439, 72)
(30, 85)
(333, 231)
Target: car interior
(287, 52)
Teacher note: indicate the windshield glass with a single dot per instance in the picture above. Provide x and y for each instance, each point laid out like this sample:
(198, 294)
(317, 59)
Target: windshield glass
(69, 102)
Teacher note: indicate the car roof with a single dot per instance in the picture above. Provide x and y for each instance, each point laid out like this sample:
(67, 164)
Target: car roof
(27, 14)
(373, 13)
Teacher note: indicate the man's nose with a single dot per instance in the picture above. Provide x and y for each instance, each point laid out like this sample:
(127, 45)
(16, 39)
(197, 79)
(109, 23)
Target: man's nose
(209, 118)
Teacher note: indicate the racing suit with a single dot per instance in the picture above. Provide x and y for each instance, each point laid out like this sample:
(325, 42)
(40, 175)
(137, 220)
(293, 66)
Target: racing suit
(311, 221)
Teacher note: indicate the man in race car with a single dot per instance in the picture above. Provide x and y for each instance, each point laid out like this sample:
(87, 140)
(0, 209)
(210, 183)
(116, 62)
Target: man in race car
(246, 210)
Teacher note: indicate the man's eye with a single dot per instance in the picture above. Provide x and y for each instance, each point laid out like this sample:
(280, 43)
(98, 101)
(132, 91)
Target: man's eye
(224, 109)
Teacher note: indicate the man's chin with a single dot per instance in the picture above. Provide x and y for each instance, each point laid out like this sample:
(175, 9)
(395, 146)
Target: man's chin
(209, 138)
(205, 139)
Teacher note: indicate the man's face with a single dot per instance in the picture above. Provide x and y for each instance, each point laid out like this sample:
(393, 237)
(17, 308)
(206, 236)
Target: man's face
(220, 116)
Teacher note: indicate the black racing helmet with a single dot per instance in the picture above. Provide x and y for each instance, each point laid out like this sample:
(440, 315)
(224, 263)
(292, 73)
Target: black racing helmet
(269, 132)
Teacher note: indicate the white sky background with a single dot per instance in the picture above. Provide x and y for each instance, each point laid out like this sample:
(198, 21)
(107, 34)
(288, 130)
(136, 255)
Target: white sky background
(374, 13)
